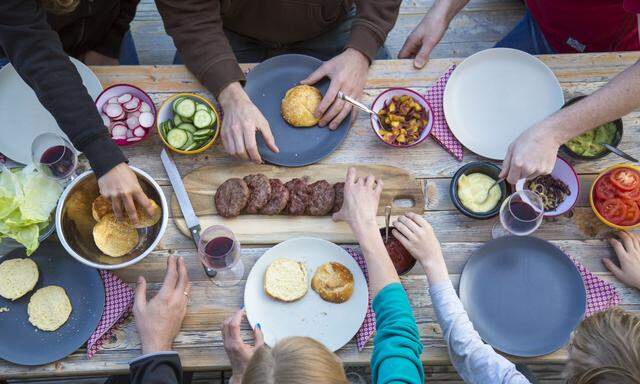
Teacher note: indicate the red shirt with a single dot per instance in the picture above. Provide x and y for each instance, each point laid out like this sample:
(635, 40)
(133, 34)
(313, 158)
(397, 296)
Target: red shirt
(572, 26)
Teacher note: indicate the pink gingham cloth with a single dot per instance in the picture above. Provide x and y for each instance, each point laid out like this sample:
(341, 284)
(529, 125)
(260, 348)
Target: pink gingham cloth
(601, 295)
(440, 131)
(117, 308)
(368, 327)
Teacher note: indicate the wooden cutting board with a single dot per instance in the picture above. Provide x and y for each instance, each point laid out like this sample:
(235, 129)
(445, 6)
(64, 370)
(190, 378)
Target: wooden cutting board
(401, 191)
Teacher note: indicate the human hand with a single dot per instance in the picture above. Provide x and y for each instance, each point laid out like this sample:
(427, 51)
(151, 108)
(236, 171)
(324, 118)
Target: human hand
(242, 119)
(424, 37)
(159, 320)
(95, 58)
(628, 251)
(238, 351)
(361, 200)
(122, 187)
(417, 236)
(532, 154)
(348, 73)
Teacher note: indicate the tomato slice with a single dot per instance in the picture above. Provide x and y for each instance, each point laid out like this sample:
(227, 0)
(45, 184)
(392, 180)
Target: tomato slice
(625, 179)
(605, 189)
(632, 215)
(614, 210)
(633, 194)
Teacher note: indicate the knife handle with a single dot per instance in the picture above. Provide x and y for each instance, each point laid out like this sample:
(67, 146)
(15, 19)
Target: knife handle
(195, 235)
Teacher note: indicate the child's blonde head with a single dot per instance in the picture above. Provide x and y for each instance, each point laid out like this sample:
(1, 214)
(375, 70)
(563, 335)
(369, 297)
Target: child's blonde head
(60, 7)
(606, 349)
(295, 360)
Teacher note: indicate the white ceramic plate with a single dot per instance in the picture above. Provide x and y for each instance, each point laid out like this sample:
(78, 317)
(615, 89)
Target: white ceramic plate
(331, 324)
(565, 172)
(496, 94)
(23, 118)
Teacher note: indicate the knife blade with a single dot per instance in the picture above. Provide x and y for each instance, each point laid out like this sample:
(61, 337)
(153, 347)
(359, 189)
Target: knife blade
(189, 215)
(620, 153)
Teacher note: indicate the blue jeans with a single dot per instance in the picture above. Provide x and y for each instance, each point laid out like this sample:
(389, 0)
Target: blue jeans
(128, 54)
(526, 36)
(323, 47)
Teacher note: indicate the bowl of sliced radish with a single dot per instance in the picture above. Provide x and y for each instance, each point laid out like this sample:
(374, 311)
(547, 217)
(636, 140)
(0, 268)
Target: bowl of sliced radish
(188, 123)
(127, 112)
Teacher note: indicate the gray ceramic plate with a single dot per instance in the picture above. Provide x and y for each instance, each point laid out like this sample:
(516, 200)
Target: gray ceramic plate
(24, 344)
(523, 295)
(266, 85)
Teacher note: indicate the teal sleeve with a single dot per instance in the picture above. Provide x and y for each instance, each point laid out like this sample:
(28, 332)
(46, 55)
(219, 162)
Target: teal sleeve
(396, 347)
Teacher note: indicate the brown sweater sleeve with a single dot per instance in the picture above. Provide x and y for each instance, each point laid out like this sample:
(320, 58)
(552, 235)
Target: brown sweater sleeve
(374, 20)
(196, 29)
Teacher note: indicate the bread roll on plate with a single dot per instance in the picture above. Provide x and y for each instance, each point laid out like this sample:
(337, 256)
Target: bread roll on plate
(333, 282)
(286, 280)
(299, 104)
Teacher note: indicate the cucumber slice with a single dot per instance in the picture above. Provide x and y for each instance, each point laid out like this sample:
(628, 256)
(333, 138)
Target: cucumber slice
(165, 127)
(193, 146)
(186, 108)
(201, 107)
(203, 132)
(177, 138)
(202, 119)
(213, 117)
(176, 102)
(187, 127)
(177, 120)
(189, 142)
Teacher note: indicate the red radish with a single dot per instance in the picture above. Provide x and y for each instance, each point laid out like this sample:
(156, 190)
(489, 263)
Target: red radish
(114, 110)
(122, 117)
(119, 132)
(105, 120)
(134, 114)
(129, 133)
(134, 139)
(132, 122)
(125, 98)
(132, 106)
(139, 132)
(113, 100)
(146, 119)
(144, 107)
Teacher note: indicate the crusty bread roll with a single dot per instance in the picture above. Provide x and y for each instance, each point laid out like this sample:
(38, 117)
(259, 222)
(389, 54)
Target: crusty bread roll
(333, 282)
(299, 104)
(286, 280)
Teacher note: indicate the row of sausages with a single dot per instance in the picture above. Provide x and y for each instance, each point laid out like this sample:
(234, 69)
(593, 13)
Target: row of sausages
(257, 194)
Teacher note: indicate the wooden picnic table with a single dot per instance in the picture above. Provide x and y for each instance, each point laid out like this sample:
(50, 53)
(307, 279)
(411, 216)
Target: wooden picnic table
(200, 342)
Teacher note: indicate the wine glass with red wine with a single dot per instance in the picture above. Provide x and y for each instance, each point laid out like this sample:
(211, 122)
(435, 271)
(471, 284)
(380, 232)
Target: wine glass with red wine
(54, 156)
(520, 214)
(219, 250)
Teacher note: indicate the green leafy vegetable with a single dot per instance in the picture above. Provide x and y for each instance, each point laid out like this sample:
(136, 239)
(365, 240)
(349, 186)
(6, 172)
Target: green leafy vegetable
(27, 199)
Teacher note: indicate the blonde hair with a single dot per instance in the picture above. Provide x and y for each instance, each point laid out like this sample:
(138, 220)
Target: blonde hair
(606, 349)
(60, 7)
(295, 360)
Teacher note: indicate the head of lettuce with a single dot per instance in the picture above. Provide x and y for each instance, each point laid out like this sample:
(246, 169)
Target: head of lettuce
(27, 199)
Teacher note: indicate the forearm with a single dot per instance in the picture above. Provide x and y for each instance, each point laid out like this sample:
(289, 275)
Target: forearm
(381, 269)
(618, 97)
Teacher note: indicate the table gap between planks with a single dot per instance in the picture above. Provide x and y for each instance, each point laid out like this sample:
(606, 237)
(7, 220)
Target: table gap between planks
(200, 343)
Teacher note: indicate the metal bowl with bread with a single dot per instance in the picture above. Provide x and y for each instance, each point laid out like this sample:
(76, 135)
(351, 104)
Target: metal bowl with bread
(75, 223)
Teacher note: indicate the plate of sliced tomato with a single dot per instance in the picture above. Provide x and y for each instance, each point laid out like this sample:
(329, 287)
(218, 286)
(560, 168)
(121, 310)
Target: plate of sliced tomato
(615, 197)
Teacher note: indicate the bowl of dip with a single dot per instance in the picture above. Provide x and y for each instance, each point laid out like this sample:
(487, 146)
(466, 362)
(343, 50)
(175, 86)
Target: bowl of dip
(401, 258)
(469, 187)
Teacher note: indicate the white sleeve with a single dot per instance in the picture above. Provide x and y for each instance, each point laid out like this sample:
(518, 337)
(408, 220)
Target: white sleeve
(475, 361)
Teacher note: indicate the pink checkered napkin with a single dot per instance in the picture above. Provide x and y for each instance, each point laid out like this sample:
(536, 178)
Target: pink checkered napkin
(117, 308)
(441, 132)
(601, 295)
(368, 327)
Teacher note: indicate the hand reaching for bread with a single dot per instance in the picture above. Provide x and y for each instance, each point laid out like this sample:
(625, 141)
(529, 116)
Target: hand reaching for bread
(360, 204)
(238, 351)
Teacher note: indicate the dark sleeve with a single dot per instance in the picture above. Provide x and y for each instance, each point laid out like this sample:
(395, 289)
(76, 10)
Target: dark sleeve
(196, 29)
(374, 19)
(157, 369)
(110, 45)
(36, 52)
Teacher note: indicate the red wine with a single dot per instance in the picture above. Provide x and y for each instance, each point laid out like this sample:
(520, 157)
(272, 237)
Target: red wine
(220, 252)
(520, 218)
(60, 160)
(523, 211)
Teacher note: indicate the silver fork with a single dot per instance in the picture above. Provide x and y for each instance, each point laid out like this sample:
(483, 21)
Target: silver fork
(362, 107)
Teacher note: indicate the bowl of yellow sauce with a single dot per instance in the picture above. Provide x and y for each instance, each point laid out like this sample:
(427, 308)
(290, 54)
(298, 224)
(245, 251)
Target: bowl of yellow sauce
(470, 193)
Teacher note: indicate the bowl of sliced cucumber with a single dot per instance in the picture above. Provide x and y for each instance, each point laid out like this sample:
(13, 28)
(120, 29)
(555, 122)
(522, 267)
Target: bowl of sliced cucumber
(188, 123)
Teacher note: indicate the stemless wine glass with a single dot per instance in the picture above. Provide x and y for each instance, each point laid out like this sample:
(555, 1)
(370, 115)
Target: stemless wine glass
(520, 214)
(54, 156)
(219, 250)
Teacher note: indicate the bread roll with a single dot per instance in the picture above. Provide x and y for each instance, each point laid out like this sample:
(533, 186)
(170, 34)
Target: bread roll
(299, 104)
(286, 280)
(333, 282)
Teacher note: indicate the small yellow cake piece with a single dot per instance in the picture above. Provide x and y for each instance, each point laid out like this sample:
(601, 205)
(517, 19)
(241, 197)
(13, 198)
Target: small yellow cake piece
(17, 277)
(115, 238)
(49, 308)
(286, 280)
(299, 104)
